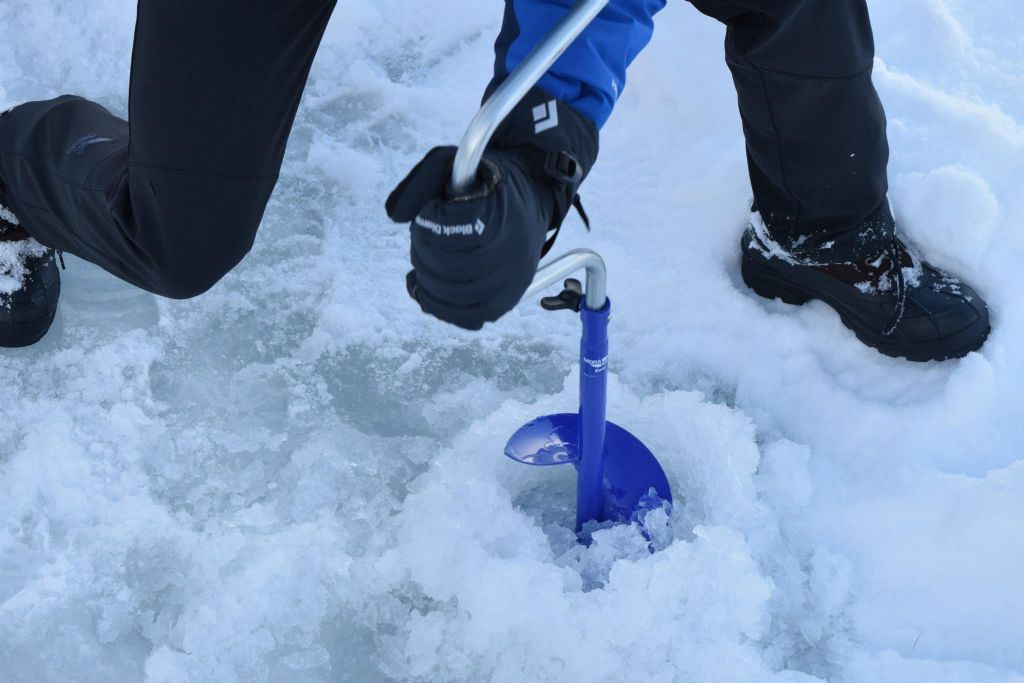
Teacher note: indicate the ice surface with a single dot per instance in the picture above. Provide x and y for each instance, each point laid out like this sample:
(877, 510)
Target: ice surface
(298, 477)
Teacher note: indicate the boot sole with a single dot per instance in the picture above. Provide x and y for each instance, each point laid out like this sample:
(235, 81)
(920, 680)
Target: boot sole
(765, 281)
(29, 338)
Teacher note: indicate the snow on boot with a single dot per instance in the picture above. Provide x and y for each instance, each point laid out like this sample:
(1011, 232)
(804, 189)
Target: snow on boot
(894, 302)
(29, 285)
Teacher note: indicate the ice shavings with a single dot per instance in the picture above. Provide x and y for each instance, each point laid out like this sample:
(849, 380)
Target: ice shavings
(533, 588)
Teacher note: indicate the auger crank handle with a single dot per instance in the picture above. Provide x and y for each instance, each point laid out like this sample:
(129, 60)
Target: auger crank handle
(514, 88)
(569, 263)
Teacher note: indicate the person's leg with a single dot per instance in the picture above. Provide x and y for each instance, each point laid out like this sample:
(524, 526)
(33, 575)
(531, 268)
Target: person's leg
(817, 153)
(171, 199)
(814, 125)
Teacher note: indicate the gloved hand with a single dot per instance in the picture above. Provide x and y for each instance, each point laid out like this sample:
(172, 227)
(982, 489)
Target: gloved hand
(474, 255)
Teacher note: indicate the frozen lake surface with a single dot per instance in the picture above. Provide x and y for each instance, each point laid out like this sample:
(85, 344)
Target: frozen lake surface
(298, 476)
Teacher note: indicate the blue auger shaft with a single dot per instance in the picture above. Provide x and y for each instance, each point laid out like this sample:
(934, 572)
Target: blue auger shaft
(593, 415)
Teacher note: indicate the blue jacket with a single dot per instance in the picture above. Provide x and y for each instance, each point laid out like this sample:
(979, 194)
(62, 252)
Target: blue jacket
(591, 74)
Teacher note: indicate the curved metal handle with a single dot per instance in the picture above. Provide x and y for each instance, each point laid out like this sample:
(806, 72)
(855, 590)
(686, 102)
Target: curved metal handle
(569, 263)
(515, 87)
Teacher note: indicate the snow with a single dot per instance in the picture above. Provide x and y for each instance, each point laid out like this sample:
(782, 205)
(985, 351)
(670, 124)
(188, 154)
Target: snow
(298, 476)
(13, 258)
(932, 208)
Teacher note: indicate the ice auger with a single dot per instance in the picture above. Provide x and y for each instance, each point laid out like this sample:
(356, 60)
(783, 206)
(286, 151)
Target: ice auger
(618, 478)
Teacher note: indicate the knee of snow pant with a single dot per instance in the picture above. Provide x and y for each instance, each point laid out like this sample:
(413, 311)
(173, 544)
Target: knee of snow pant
(191, 229)
(64, 169)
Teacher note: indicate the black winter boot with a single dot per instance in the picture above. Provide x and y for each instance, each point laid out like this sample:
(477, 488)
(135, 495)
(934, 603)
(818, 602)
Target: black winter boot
(893, 301)
(29, 285)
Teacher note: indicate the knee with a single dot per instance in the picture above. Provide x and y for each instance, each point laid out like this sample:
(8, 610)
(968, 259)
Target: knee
(193, 228)
(180, 284)
(187, 271)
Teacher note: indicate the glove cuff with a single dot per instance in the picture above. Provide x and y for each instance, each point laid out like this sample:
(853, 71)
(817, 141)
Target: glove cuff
(558, 144)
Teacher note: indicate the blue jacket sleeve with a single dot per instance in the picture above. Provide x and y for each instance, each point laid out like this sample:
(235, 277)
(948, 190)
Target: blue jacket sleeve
(591, 74)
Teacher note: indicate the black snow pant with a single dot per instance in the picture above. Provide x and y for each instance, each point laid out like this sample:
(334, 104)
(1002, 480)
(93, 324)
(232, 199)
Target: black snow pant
(215, 86)
(814, 125)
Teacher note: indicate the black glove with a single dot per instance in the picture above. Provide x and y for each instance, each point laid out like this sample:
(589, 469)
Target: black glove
(474, 255)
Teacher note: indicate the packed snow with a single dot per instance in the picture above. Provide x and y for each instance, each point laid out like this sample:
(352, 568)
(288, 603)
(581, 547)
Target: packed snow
(299, 476)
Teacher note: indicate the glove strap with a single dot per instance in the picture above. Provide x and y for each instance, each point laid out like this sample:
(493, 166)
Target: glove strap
(577, 204)
(562, 173)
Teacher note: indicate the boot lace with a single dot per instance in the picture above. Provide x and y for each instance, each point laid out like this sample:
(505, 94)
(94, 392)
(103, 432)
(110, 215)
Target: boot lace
(894, 250)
